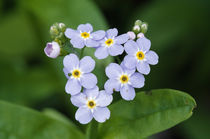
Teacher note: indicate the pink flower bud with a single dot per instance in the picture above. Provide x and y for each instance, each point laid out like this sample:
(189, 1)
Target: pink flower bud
(52, 49)
(131, 35)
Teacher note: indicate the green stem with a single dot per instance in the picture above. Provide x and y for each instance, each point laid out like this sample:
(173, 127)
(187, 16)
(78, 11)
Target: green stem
(92, 130)
(82, 52)
(118, 60)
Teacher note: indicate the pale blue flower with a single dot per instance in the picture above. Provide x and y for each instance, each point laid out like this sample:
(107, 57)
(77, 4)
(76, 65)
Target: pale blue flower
(83, 36)
(78, 73)
(139, 56)
(111, 44)
(123, 80)
(92, 103)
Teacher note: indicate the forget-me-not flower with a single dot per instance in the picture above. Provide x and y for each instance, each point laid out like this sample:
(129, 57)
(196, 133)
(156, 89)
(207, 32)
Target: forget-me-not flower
(139, 56)
(92, 103)
(111, 44)
(84, 36)
(123, 80)
(79, 73)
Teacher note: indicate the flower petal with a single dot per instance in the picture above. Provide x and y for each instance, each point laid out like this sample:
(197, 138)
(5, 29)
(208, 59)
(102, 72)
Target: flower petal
(101, 52)
(131, 47)
(137, 80)
(66, 72)
(126, 70)
(112, 33)
(152, 58)
(113, 70)
(143, 67)
(78, 100)
(88, 80)
(98, 35)
(91, 43)
(103, 99)
(70, 33)
(73, 86)
(130, 62)
(101, 114)
(70, 62)
(127, 92)
(87, 64)
(116, 49)
(122, 38)
(112, 85)
(83, 115)
(77, 42)
(85, 27)
(144, 44)
(92, 93)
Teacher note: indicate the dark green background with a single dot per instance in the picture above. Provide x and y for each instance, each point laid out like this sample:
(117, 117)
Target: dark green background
(178, 29)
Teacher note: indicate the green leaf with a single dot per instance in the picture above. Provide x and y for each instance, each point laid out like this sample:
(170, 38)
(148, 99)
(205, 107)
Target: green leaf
(27, 86)
(20, 122)
(149, 113)
(56, 115)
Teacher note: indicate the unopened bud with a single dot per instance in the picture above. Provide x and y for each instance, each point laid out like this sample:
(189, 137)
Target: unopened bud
(131, 35)
(144, 27)
(52, 49)
(136, 29)
(138, 22)
(140, 35)
(62, 27)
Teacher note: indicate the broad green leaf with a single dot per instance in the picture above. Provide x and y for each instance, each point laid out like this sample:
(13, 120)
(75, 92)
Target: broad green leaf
(20, 122)
(25, 85)
(56, 115)
(149, 113)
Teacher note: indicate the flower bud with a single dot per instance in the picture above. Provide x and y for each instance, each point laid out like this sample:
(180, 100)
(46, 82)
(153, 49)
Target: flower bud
(136, 29)
(140, 35)
(52, 49)
(131, 35)
(62, 27)
(57, 30)
(138, 22)
(144, 27)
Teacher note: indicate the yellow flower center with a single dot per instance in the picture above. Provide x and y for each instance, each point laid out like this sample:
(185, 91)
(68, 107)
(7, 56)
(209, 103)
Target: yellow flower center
(91, 104)
(109, 42)
(85, 35)
(76, 73)
(140, 55)
(124, 79)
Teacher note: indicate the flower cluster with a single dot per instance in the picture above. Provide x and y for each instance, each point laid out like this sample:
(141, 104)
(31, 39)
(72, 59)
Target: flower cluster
(123, 77)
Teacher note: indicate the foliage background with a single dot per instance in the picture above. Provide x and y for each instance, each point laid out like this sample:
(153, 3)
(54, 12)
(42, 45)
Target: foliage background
(178, 30)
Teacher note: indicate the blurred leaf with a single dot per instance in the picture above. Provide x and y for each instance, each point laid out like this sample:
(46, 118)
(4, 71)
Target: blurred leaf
(70, 12)
(20, 122)
(17, 36)
(149, 113)
(26, 86)
(167, 25)
(58, 116)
